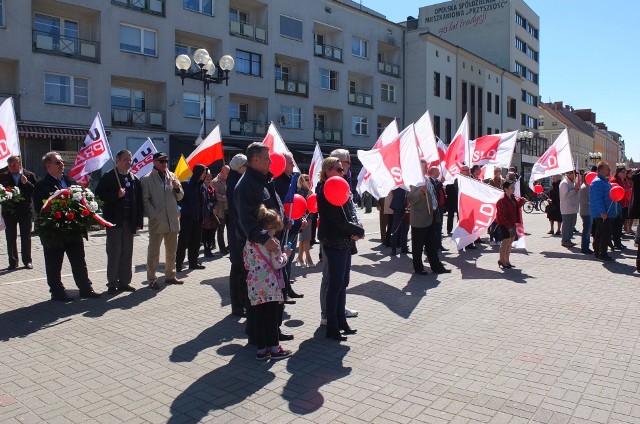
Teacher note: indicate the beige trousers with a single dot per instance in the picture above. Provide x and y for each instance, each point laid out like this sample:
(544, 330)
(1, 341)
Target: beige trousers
(153, 254)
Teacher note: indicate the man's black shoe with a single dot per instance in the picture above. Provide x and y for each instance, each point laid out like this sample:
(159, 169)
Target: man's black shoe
(290, 302)
(179, 268)
(421, 272)
(224, 251)
(619, 247)
(126, 288)
(285, 337)
(605, 258)
(587, 252)
(112, 290)
(442, 271)
(197, 266)
(471, 246)
(393, 252)
(294, 295)
(61, 297)
(89, 294)
(28, 265)
(12, 267)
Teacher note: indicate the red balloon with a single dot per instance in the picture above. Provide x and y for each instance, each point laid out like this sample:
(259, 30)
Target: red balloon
(278, 163)
(615, 185)
(616, 194)
(538, 189)
(337, 191)
(312, 203)
(589, 177)
(299, 207)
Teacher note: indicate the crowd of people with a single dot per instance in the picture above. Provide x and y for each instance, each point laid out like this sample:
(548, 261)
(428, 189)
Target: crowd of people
(247, 201)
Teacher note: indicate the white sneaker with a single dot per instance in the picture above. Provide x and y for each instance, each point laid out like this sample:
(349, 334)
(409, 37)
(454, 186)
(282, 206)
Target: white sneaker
(350, 313)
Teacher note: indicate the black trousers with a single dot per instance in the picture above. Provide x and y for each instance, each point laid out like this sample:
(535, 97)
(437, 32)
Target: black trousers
(400, 230)
(266, 324)
(238, 288)
(339, 269)
(601, 235)
(189, 237)
(53, 257)
(11, 233)
(616, 230)
(220, 231)
(208, 241)
(425, 239)
(452, 209)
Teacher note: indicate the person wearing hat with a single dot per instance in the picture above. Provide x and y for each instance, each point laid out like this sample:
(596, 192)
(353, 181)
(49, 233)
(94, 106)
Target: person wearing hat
(238, 275)
(121, 194)
(161, 192)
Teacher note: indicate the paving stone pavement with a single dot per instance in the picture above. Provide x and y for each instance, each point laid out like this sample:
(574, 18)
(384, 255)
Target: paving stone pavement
(553, 341)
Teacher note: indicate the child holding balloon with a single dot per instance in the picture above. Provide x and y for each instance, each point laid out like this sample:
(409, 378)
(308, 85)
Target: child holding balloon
(265, 284)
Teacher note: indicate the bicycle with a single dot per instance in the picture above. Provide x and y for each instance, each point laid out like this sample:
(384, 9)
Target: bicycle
(539, 203)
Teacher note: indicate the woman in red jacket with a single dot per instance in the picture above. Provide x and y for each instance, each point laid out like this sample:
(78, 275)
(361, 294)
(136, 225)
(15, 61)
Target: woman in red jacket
(508, 214)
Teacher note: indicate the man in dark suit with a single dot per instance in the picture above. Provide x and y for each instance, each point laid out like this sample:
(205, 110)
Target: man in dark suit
(399, 228)
(54, 253)
(436, 182)
(18, 214)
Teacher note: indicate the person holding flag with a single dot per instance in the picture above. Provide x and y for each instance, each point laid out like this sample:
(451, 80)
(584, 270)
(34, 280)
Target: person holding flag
(121, 193)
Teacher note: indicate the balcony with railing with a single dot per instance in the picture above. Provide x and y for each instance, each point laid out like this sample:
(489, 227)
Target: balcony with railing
(155, 7)
(327, 135)
(295, 88)
(328, 52)
(61, 45)
(251, 32)
(246, 128)
(361, 99)
(389, 69)
(132, 117)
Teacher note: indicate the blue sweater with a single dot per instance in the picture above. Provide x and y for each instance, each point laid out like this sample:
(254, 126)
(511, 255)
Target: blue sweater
(599, 199)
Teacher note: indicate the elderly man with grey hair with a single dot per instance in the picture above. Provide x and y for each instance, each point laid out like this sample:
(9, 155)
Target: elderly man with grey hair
(345, 159)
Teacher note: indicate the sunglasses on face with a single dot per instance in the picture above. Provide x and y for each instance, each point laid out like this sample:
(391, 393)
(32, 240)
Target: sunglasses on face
(339, 169)
(162, 161)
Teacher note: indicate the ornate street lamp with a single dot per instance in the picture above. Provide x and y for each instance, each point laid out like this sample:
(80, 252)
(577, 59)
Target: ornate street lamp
(208, 73)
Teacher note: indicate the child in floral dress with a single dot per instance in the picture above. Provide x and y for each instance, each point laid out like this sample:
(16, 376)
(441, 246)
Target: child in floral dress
(265, 284)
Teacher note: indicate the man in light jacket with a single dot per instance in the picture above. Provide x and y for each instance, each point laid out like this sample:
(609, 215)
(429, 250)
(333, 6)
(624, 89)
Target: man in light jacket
(161, 192)
(568, 206)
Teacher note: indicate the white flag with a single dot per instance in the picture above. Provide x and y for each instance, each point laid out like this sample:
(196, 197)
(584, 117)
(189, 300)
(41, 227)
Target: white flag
(274, 140)
(315, 167)
(9, 142)
(95, 153)
(395, 165)
(556, 160)
(426, 139)
(476, 210)
(142, 160)
(364, 177)
(494, 149)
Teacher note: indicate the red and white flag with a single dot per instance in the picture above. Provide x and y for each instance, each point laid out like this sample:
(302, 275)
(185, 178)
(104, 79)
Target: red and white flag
(274, 140)
(95, 153)
(365, 183)
(556, 160)
(209, 151)
(315, 167)
(427, 145)
(9, 142)
(394, 165)
(142, 160)
(476, 210)
(456, 154)
(495, 149)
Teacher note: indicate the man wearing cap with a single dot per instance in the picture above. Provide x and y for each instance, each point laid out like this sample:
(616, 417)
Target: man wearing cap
(161, 192)
(238, 275)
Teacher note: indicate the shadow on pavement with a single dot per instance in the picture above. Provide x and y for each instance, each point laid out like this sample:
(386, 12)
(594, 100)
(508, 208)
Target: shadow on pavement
(221, 332)
(223, 387)
(401, 302)
(316, 363)
(30, 319)
(221, 285)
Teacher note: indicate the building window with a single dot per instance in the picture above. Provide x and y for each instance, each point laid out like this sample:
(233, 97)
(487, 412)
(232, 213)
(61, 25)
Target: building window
(283, 72)
(532, 30)
(359, 125)
(489, 97)
(248, 63)
(520, 20)
(189, 51)
(2, 13)
(521, 69)
(202, 6)
(447, 88)
(290, 27)
(511, 107)
(192, 105)
(236, 15)
(529, 98)
(66, 90)
(436, 125)
(488, 130)
(447, 129)
(496, 104)
(388, 92)
(359, 47)
(463, 98)
(59, 28)
(137, 40)
(319, 121)
(126, 98)
(239, 111)
(531, 76)
(532, 53)
(328, 79)
(521, 45)
(436, 84)
(290, 117)
(528, 121)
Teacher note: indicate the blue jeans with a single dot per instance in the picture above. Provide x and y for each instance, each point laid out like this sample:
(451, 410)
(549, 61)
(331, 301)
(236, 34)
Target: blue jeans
(586, 232)
(568, 224)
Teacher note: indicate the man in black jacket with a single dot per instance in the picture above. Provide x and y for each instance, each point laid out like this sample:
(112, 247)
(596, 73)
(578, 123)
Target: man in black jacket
(54, 255)
(237, 275)
(18, 214)
(121, 194)
(191, 214)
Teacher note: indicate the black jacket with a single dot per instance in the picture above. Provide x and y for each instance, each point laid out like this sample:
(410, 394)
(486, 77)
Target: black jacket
(336, 222)
(107, 190)
(46, 187)
(23, 207)
(192, 202)
(253, 190)
(235, 249)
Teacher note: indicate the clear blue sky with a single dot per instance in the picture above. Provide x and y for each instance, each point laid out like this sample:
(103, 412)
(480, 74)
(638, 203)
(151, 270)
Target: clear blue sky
(589, 57)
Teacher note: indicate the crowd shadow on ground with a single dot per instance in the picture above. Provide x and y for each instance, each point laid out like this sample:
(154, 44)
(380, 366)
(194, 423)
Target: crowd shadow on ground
(317, 362)
(30, 319)
(224, 331)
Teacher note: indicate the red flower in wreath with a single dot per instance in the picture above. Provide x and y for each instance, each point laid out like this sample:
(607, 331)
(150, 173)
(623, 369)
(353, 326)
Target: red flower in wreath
(57, 214)
(7, 189)
(85, 212)
(70, 215)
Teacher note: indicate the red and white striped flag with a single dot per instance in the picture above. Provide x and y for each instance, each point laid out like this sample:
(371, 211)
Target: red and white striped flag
(142, 160)
(365, 182)
(209, 151)
(315, 167)
(95, 153)
(276, 144)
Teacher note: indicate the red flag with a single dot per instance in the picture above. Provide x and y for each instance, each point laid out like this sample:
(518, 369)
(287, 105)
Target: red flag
(495, 149)
(209, 151)
(364, 177)
(456, 153)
